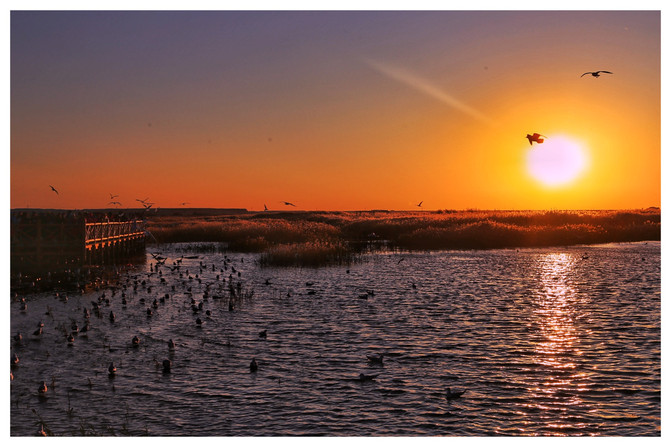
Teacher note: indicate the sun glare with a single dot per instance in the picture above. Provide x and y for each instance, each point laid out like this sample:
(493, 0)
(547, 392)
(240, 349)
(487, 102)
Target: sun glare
(557, 161)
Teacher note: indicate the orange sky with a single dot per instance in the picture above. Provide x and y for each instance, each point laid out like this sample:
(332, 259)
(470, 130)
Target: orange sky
(332, 110)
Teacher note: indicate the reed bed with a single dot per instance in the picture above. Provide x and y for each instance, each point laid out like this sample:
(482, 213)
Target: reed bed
(319, 238)
(308, 254)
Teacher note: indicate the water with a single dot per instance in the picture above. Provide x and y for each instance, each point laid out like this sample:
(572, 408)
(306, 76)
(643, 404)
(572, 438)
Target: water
(553, 341)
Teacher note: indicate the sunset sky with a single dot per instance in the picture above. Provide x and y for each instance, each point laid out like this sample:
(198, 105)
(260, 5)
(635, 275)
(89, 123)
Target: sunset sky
(336, 110)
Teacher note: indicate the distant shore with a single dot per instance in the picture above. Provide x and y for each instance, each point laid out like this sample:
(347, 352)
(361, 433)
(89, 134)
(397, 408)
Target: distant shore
(337, 233)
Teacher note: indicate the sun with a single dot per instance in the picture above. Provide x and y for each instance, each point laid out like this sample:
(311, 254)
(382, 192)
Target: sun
(556, 162)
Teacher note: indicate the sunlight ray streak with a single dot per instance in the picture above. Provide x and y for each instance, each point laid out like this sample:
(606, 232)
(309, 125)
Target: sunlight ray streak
(405, 77)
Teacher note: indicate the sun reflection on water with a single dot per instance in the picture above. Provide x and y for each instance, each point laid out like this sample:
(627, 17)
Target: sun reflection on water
(555, 311)
(558, 386)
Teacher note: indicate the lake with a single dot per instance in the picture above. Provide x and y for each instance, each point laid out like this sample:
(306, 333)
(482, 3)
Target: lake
(547, 341)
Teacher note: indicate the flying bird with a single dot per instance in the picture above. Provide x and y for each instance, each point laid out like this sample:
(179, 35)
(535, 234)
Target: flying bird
(288, 203)
(114, 203)
(535, 137)
(53, 189)
(420, 204)
(184, 203)
(596, 74)
(113, 196)
(265, 208)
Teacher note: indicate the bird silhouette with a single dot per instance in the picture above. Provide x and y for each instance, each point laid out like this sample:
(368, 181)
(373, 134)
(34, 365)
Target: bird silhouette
(596, 74)
(265, 208)
(115, 203)
(535, 137)
(184, 203)
(449, 394)
(54, 189)
(113, 196)
(367, 377)
(420, 204)
(288, 203)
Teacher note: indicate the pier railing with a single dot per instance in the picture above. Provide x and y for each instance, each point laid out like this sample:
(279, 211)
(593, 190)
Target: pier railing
(100, 233)
(52, 241)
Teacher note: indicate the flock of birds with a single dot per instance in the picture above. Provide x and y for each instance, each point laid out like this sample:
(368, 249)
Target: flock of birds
(138, 295)
(185, 279)
(533, 138)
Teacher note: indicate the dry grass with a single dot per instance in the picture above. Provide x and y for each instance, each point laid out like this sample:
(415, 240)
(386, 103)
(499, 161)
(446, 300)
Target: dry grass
(294, 238)
(308, 254)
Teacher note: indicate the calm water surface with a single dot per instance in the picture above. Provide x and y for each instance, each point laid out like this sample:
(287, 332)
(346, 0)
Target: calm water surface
(553, 341)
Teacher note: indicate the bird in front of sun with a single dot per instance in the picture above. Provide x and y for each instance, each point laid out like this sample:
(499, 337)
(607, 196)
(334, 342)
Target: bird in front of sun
(535, 137)
(420, 204)
(596, 74)
(54, 189)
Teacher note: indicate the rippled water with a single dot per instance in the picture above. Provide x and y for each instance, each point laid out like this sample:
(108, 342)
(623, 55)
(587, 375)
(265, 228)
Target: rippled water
(556, 341)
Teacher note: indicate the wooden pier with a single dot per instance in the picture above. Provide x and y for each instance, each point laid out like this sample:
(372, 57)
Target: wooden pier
(60, 240)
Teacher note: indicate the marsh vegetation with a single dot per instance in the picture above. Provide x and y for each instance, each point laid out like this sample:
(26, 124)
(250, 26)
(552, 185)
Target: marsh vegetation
(324, 238)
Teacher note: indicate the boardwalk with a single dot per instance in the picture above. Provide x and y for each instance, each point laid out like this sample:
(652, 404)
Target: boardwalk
(57, 240)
